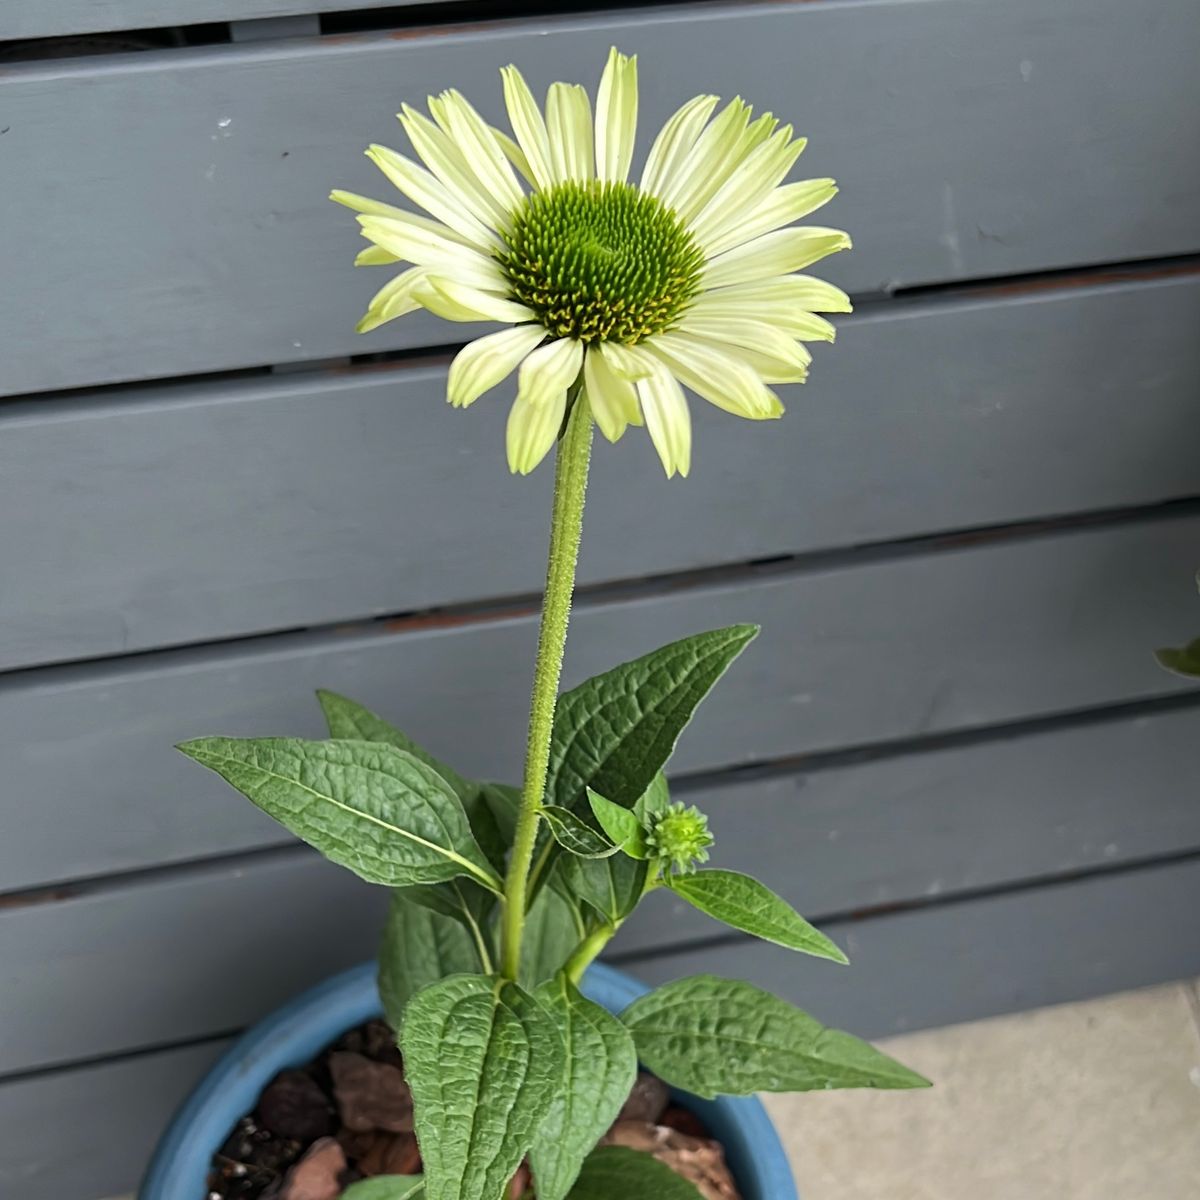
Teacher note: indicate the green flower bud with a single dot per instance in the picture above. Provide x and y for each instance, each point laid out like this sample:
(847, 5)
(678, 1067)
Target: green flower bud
(678, 836)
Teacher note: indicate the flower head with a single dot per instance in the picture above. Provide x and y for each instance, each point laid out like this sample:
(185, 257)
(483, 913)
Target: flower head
(634, 291)
(680, 837)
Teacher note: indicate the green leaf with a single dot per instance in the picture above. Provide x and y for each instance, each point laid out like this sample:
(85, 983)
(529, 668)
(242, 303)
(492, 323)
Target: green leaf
(419, 947)
(504, 802)
(483, 1059)
(612, 886)
(655, 799)
(464, 901)
(386, 1187)
(621, 824)
(1183, 661)
(711, 1036)
(613, 1172)
(745, 904)
(553, 928)
(600, 1068)
(370, 807)
(352, 722)
(575, 835)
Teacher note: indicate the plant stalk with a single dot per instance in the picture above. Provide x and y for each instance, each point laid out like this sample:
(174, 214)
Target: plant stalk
(566, 525)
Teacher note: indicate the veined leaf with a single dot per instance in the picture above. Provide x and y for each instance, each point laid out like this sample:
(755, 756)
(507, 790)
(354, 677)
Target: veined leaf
(621, 824)
(713, 1036)
(483, 1059)
(575, 835)
(419, 947)
(612, 886)
(386, 1187)
(1183, 660)
(553, 928)
(464, 901)
(617, 1171)
(600, 1067)
(367, 806)
(655, 799)
(744, 903)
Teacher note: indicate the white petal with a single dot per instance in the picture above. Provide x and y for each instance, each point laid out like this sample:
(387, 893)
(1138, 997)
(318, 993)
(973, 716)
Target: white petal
(626, 361)
(526, 119)
(777, 253)
(487, 361)
(515, 155)
(447, 162)
(715, 375)
(376, 208)
(473, 137)
(715, 144)
(781, 313)
(454, 301)
(429, 248)
(532, 430)
(616, 117)
(549, 371)
(613, 398)
(800, 291)
(674, 142)
(374, 256)
(781, 206)
(432, 195)
(569, 122)
(767, 367)
(396, 298)
(668, 421)
(745, 333)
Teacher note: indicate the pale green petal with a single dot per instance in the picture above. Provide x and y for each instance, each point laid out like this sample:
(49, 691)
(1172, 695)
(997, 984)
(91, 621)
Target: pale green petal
(616, 117)
(515, 155)
(473, 137)
(799, 291)
(769, 368)
(626, 361)
(448, 163)
(714, 150)
(480, 365)
(396, 298)
(777, 253)
(569, 122)
(528, 124)
(374, 256)
(532, 431)
(674, 142)
(376, 208)
(425, 189)
(613, 399)
(715, 375)
(428, 248)
(781, 206)
(745, 333)
(781, 313)
(549, 371)
(454, 301)
(668, 421)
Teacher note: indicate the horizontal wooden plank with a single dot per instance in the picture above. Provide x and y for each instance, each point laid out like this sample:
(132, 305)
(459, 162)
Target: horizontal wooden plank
(37, 19)
(881, 833)
(950, 963)
(979, 958)
(851, 654)
(305, 500)
(209, 244)
(87, 1133)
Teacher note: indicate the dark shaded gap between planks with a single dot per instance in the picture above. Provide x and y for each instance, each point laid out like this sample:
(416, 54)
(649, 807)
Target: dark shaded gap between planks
(498, 608)
(690, 784)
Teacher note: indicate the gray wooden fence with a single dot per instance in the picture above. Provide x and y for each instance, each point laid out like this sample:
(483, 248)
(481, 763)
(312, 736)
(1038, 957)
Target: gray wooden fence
(951, 743)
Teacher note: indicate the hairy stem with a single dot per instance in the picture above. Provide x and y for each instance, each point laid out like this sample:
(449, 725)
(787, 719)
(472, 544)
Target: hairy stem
(570, 487)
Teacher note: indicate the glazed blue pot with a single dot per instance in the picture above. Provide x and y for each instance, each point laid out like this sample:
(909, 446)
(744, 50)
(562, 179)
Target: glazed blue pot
(299, 1031)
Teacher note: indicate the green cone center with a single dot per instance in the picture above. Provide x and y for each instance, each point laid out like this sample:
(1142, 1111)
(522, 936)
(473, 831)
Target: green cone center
(601, 262)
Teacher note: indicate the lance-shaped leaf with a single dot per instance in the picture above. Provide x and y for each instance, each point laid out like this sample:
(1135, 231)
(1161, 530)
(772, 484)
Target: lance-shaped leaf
(575, 835)
(619, 1173)
(655, 799)
(386, 1187)
(483, 1059)
(612, 886)
(713, 1036)
(365, 805)
(600, 1067)
(419, 947)
(744, 903)
(621, 824)
(553, 928)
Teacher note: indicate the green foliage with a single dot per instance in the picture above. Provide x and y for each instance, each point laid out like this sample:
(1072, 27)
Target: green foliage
(619, 1173)
(1185, 660)
(484, 1061)
(599, 1070)
(711, 1036)
(574, 834)
(373, 808)
(553, 928)
(386, 1187)
(611, 887)
(419, 947)
(621, 824)
(745, 904)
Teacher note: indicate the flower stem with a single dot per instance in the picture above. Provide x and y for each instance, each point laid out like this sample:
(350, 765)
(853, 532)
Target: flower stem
(588, 949)
(570, 487)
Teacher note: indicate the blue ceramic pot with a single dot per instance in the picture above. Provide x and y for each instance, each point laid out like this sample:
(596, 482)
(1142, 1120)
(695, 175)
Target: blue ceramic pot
(299, 1031)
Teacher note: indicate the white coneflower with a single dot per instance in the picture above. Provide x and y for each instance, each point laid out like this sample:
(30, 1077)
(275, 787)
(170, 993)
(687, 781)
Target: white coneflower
(630, 290)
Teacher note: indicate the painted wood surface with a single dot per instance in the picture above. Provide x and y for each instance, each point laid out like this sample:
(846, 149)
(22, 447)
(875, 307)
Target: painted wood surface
(860, 838)
(207, 511)
(863, 652)
(239, 146)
